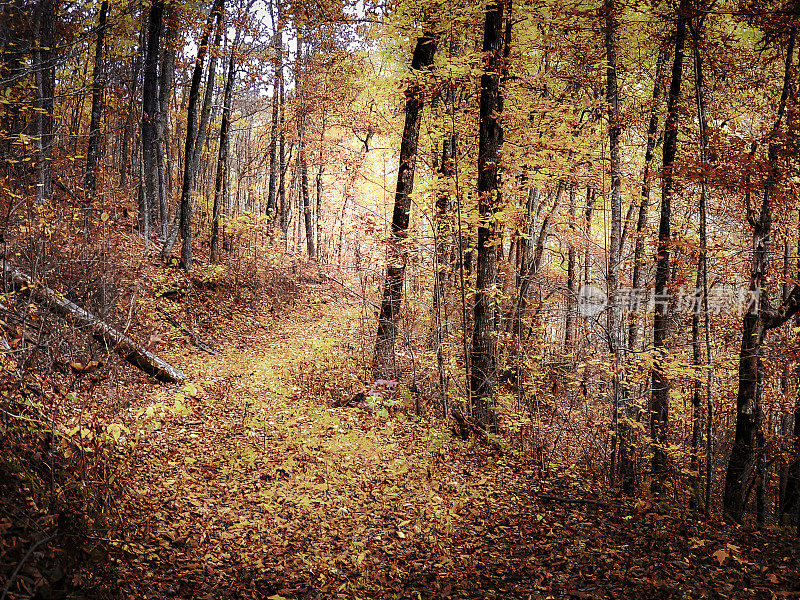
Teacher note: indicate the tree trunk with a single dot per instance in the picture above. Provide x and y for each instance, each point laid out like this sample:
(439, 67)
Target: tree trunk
(569, 321)
(757, 322)
(383, 364)
(701, 287)
(490, 140)
(301, 151)
(194, 143)
(163, 154)
(659, 403)
(443, 236)
(222, 161)
(273, 138)
(93, 149)
(587, 263)
(121, 344)
(129, 119)
(149, 120)
(187, 206)
(318, 187)
(622, 408)
(282, 165)
(644, 206)
(44, 75)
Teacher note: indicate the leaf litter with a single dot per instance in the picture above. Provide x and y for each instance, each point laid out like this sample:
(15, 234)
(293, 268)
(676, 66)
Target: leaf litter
(253, 486)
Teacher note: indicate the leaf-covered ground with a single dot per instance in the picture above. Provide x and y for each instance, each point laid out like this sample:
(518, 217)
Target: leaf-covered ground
(249, 486)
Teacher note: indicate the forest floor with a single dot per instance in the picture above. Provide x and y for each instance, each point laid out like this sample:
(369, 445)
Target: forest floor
(247, 482)
(255, 487)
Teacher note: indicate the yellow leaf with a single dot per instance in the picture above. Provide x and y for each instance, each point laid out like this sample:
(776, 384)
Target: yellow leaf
(104, 217)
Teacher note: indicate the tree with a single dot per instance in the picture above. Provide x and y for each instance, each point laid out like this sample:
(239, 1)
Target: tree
(273, 139)
(659, 402)
(163, 155)
(496, 46)
(194, 138)
(222, 161)
(44, 59)
(701, 285)
(383, 363)
(301, 150)
(97, 108)
(149, 120)
(758, 320)
(620, 401)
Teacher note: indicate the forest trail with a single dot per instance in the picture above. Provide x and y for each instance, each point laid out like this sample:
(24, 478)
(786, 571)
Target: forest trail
(248, 486)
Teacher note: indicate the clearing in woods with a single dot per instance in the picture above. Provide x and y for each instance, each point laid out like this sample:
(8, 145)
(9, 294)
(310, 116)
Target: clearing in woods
(249, 484)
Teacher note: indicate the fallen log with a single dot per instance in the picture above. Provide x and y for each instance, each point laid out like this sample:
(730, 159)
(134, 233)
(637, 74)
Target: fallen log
(121, 344)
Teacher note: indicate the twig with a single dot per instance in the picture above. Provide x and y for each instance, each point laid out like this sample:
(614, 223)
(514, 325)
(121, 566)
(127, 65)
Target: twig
(22, 563)
(566, 500)
(192, 336)
(351, 291)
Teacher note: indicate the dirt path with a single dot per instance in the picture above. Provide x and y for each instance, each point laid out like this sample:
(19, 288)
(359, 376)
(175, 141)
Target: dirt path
(247, 487)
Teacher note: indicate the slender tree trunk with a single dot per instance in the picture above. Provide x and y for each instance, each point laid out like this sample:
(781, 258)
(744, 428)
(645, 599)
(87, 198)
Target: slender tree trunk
(701, 287)
(490, 141)
(187, 205)
(659, 402)
(44, 76)
(620, 399)
(301, 151)
(93, 149)
(383, 364)
(572, 291)
(222, 161)
(276, 101)
(318, 187)
(129, 116)
(587, 262)
(644, 206)
(443, 234)
(163, 155)
(282, 164)
(194, 142)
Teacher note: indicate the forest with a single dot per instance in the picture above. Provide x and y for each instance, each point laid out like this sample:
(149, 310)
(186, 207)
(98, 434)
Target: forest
(407, 299)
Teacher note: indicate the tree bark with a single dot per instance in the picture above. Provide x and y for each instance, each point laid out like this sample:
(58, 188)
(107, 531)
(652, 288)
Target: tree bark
(644, 205)
(659, 402)
(193, 145)
(149, 120)
(318, 186)
(383, 364)
(282, 164)
(569, 321)
(222, 161)
(122, 344)
(496, 43)
(757, 322)
(44, 76)
(301, 150)
(163, 154)
(273, 138)
(701, 287)
(621, 402)
(93, 149)
(443, 234)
